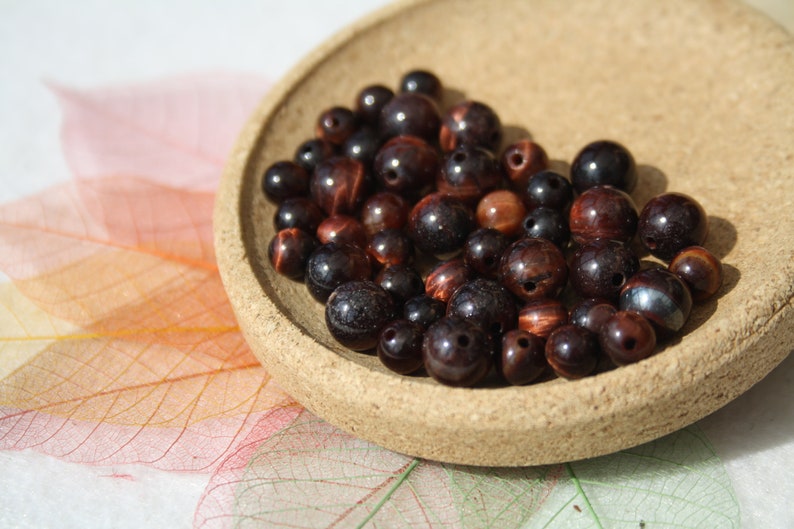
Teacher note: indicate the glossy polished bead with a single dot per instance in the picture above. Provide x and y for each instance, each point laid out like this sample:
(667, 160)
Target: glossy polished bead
(390, 247)
(700, 270)
(362, 145)
(592, 313)
(522, 359)
(289, 250)
(468, 173)
(410, 114)
(402, 281)
(400, 346)
(335, 125)
(332, 264)
(600, 268)
(603, 212)
(547, 223)
(342, 229)
(483, 251)
(439, 224)
(422, 82)
(542, 316)
(383, 211)
(445, 278)
(671, 222)
(572, 351)
(356, 312)
(548, 189)
(424, 310)
(312, 152)
(457, 352)
(502, 210)
(339, 185)
(470, 123)
(660, 296)
(298, 212)
(285, 179)
(604, 163)
(486, 303)
(406, 165)
(627, 338)
(533, 269)
(370, 101)
(521, 160)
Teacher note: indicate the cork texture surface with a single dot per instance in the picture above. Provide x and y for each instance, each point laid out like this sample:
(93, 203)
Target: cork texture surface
(700, 92)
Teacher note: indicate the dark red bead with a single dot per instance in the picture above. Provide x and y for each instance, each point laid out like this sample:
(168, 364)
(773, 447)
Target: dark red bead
(289, 250)
(502, 210)
(424, 310)
(412, 114)
(422, 82)
(339, 185)
(439, 224)
(457, 352)
(603, 212)
(483, 251)
(400, 346)
(548, 189)
(572, 351)
(468, 173)
(370, 101)
(700, 270)
(402, 281)
(362, 145)
(335, 125)
(533, 269)
(383, 211)
(542, 316)
(660, 296)
(356, 312)
(486, 303)
(445, 278)
(331, 265)
(627, 337)
(285, 179)
(592, 313)
(521, 160)
(523, 358)
(671, 222)
(390, 247)
(298, 212)
(604, 163)
(600, 268)
(547, 223)
(342, 229)
(470, 123)
(311, 152)
(406, 165)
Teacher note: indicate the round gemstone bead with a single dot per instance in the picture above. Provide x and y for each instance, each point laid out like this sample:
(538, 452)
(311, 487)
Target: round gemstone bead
(289, 250)
(439, 224)
(533, 269)
(400, 346)
(547, 223)
(406, 165)
(468, 173)
(542, 316)
(383, 211)
(604, 163)
(298, 212)
(422, 82)
(362, 145)
(356, 312)
(502, 210)
(424, 310)
(700, 270)
(390, 247)
(572, 351)
(331, 265)
(370, 101)
(339, 185)
(342, 229)
(671, 222)
(522, 359)
(486, 303)
(521, 160)
(312, 152)
(603, 212)
(401, 281)
(660, 296)
(410, 113)
(483, 251)
(285, 179)
(470, 123)
(600, 268)
(627, 337)
(445, 278)
(457, 352)
(547, 189)
(591, 313)
(335, 125)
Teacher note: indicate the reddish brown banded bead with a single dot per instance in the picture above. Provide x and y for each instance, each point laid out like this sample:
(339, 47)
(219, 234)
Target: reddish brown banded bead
(390, 247)
(335, 125)
(384, 211)
(700, 270)
(659, 295)
(445, 278)
(470, 123)
(522, 358)
(671, 222)
(342, 229)
(521, 160)
(603, 212)
(289, 250)
(406, 165)
(468, 173)
(339, 185)
(533, 269)
(502, 210)
(627, 338)
(572, 352)
(542, 316)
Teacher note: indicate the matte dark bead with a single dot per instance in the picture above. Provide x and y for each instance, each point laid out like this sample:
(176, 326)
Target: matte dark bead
(486, 303)
(572, 351)
(445, 278)
(339, 185)
(468, 173)
(533, 269)
(370, 101)
(548, 189)
(335, 125)
(457, 352)
(502, 210)
(470, 123)
(542, 316)
(439, 224)
(285, 179)
(523, 358)
(289, 250)
(547, 223)
(298, 212)
(604, 163)
(422, 82)
(660, 296)
(402, 281)
(483, 251)
(312, 152)
(592, 313)
(331, 265)
(383, 211)
(521, 160)
(342, 229)
(400, 346)
(424, 310)
(700, 270)
(356, 312)
(627, 338)
(671, 222)
(362, 145)
(603, 212)
(406, 165)
(411, 114)
(600, 268)
(390, 247)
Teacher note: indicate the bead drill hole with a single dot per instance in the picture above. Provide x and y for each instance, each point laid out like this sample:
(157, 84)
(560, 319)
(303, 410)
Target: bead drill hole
(529, 223)
(516, 160)
(459, 156)
(523, 343)
(650, 242)
(389, 334)
(629, 344)
(463, 340)
(390, 176)
(496, 328)
(618, 279)
(530, 286)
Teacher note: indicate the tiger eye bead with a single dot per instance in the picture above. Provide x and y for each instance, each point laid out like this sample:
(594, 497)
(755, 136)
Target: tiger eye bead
(406, 165)
(542, 316)
(522, 359)
(468, 173)
(548, 189)
(422, 82)
(339, 185)
(627, 338)
(483, 251)
(445, 278)
(439, 224)
(700, 270)
(402, 281)
(298, 212)
(412, 114)
(311, 152)
(370, 101)
(486, 303)
(356, 312)
(591, 313)
(331, 265)
(604, 163)
(603, 212)
(533, 269)
(362, 145)
(383, 211)
(659, 295)
(470, 123)
(400, 346)
(521, 160)
(390, 247)
(501, 210)
(572, 352)
(289, 250)
(342, 229)
(335, 125)
(457, 352)
(547, 223)
(424, 310)
(671, 222)
(285, 179)
(600, 268)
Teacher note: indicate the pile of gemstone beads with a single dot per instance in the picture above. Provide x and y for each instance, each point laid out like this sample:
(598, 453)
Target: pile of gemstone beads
(444, 256)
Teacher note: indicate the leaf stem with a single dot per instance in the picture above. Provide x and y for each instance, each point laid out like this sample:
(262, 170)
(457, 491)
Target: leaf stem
(581, 493)
(389, 493)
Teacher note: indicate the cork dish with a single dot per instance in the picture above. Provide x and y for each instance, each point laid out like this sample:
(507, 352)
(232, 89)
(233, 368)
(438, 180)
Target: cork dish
(700, 92)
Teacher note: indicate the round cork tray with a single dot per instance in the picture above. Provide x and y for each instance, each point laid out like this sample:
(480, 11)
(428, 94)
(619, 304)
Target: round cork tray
(700, 92)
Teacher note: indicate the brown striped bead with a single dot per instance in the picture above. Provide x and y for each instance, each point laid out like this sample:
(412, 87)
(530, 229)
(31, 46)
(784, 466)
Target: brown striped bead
(342, 229)
(700, 270)
(603, 212)
(289, 250)
(533, 269)
(521, 160)
(502, 210)
(339, 185)
(542, 316)
(384, 211)
(445, 278)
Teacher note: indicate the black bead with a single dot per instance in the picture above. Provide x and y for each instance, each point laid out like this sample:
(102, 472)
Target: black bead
(548, 189)
(356, 312)
(400, 346)
(285, 179)
(422, 82)
(401, 281)
(390, 247)
(331, 265)
(406, 165)
(671, 222)
(470, 123)
(522, 359)
(572, 351)
(468, 173)
(439, 224)
(457, 352)
(483, 251)
(298, 212)
(547, 223)
(370, 101)
(312, 152)
(600, 268)
(533, 269)
(604, 163)
(591, 313)
(335, 125)
(362, 145)
(424, 310)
